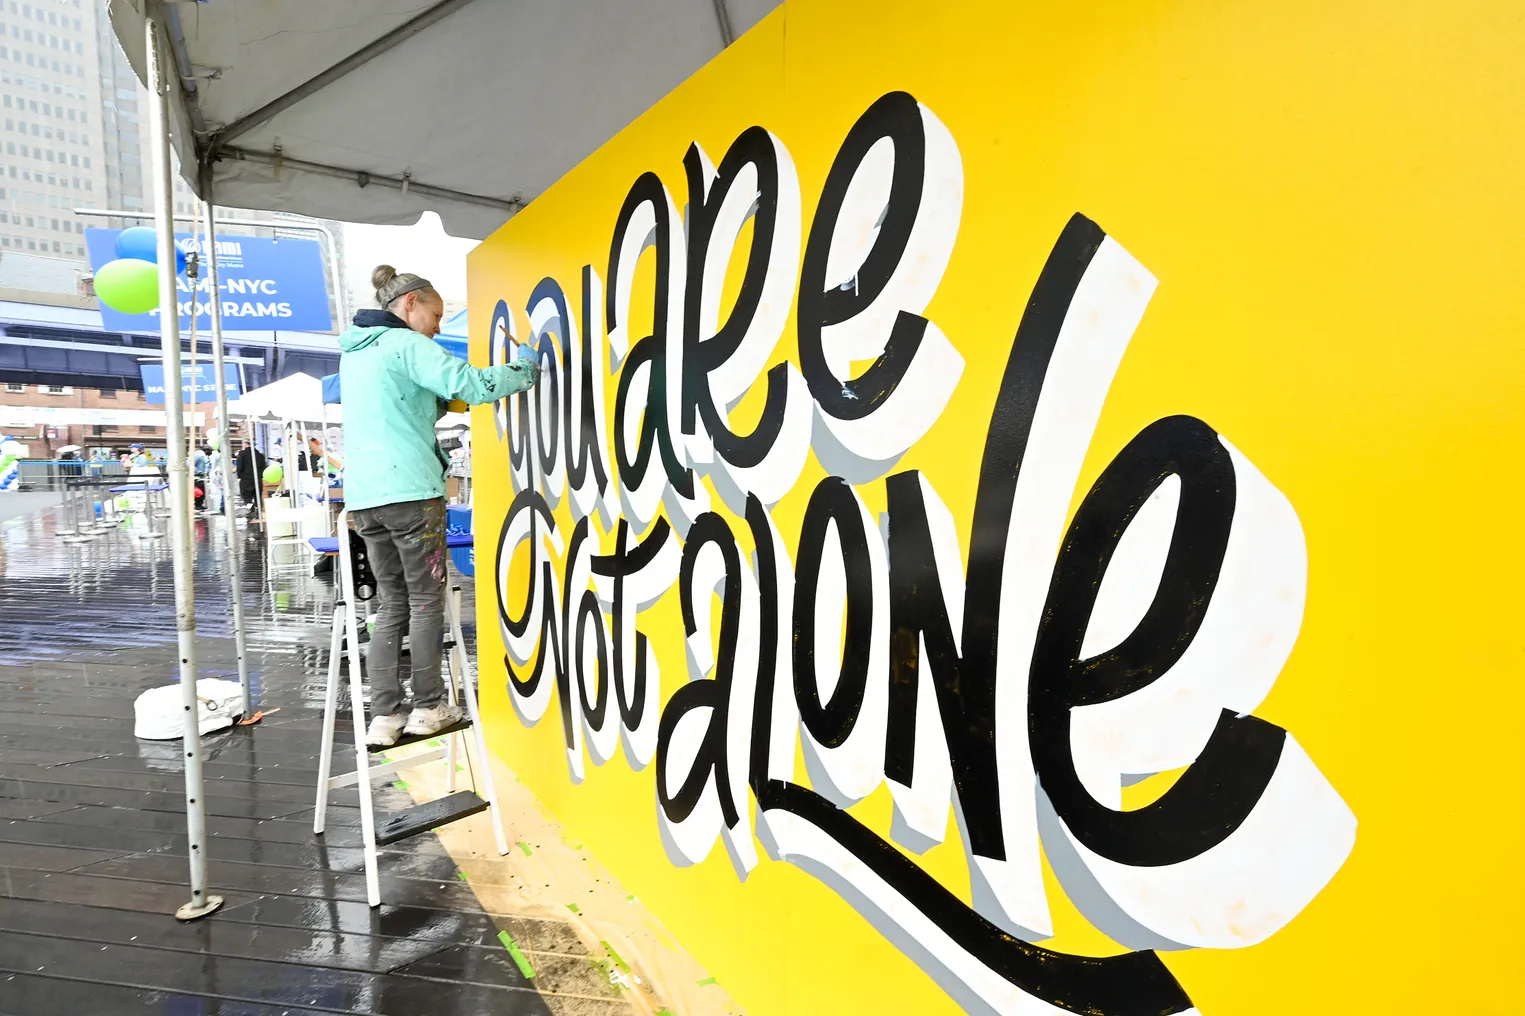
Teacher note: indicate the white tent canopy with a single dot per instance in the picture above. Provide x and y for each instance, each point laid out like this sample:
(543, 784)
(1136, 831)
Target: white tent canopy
(377, 110)
(298, 397)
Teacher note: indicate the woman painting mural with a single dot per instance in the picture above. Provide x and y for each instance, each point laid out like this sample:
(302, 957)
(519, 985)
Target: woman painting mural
(395, 381)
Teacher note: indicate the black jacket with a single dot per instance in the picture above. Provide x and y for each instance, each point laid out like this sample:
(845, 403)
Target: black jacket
(250, 465)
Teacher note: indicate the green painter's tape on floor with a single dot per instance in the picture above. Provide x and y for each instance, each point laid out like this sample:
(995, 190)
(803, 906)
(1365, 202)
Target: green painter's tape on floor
(526, 848)
(706, 981)
(619, 960)
(519, 959)
(573, 907)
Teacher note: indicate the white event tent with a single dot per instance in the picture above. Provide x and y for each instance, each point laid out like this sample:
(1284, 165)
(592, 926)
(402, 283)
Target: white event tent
(297, 397)
(376, 111)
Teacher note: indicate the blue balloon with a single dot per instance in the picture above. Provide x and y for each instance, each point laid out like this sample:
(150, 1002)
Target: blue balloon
(139, 242)
(142, 243)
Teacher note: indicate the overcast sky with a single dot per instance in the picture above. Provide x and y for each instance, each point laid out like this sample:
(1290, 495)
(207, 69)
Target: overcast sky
(424, 249)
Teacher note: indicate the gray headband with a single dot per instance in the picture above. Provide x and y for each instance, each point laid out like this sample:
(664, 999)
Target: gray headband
(406, 288)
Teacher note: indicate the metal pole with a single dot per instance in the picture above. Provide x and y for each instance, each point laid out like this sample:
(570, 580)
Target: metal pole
(328, 505)
(200, 904)
(193, 273)
(230, 496)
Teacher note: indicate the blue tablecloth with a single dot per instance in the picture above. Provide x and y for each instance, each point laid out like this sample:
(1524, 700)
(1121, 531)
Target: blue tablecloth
(458, 522)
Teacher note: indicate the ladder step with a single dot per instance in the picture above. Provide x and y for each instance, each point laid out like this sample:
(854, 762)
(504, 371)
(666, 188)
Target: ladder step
(423, 817)
(406, 739)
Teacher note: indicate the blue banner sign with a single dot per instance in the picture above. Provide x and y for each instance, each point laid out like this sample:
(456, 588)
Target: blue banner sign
(206, 382)
(264, 285)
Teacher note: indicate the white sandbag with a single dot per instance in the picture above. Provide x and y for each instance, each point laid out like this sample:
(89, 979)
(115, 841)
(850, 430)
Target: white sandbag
(158, 711)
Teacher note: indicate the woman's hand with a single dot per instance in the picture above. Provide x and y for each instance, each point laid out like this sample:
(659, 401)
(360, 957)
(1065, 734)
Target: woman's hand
(527, 368)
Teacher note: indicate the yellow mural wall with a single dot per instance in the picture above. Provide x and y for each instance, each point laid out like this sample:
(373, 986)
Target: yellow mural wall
(1263, 410)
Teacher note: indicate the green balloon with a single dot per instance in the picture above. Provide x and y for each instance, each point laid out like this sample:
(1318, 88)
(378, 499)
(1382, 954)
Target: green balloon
(274, 474)
(128, 285)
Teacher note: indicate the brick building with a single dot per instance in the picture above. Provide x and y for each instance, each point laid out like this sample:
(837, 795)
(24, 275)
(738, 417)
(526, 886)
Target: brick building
(46, 437)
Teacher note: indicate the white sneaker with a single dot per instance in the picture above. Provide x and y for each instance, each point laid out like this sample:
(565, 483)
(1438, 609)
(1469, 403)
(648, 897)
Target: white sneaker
(424, 722)
(385, 730)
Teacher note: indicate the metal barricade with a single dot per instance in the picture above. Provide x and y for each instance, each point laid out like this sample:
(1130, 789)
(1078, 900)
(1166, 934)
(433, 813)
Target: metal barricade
(54, 474)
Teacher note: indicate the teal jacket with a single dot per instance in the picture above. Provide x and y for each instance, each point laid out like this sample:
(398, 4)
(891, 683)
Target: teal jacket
(394, 383)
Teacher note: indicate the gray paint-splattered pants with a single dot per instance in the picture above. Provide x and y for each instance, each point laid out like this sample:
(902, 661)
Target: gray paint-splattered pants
(406, 545)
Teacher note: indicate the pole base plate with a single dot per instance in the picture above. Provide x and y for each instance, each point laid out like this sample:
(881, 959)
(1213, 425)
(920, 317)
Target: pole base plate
(192, 911)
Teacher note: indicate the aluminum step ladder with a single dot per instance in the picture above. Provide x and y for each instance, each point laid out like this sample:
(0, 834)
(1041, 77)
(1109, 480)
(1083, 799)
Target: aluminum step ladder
(460, 683)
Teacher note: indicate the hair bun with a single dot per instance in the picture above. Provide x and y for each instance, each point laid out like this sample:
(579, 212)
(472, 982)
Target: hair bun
(381, 275)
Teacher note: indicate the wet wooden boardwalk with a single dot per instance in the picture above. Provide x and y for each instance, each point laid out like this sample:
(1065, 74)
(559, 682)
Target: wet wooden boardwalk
(92, 824)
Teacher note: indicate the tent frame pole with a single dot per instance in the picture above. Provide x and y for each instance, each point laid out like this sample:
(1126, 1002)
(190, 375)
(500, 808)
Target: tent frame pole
(190, 447)
(200, 904)
(230, 492)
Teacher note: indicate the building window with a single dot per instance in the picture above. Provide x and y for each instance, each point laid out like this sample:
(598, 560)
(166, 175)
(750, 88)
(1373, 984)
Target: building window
(14, 388)
(148, 430)
(108, 393)
(57, 390)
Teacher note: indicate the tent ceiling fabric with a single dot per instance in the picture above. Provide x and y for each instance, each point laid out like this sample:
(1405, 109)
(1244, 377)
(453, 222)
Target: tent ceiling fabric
(479, 104)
